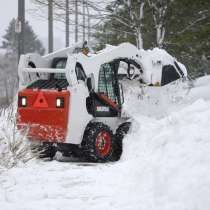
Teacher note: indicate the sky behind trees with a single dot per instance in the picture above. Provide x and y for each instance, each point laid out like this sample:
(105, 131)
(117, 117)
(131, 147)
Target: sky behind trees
(8, 10)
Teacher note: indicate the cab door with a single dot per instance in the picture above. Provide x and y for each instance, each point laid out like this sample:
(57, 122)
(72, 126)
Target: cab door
(107, 101)
(108, 83)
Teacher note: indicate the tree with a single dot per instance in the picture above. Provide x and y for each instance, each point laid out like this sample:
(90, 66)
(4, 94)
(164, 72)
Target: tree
(111, 31)
(84, 15)
(134, 20)
(10, 40)
(188, 32)
(159, 10)
(128, 21)
(128, 15)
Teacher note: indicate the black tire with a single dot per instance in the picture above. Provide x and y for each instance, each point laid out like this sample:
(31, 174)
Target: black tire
(47, 150)
(121, 131)
(98, 142)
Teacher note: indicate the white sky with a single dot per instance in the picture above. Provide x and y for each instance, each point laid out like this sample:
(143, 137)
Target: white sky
(8, 10)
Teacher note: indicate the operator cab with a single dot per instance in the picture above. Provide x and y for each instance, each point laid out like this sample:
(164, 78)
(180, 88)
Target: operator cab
(108, 100)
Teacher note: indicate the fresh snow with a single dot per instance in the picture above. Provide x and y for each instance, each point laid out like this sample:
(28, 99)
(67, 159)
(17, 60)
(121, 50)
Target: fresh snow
(164, 166)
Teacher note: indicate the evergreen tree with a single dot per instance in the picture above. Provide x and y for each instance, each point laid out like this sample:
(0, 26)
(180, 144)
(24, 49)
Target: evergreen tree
(10, 40)
(188, 34)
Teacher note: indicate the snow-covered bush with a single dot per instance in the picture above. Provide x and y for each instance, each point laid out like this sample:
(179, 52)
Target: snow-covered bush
(14, 147)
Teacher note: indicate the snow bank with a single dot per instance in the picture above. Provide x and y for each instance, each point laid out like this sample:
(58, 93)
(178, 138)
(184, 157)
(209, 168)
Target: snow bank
(202, 81)
(169, 158)
(155, 101)
(168, 153)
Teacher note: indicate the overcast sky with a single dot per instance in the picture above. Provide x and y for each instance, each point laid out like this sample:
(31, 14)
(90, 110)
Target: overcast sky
(8, 10)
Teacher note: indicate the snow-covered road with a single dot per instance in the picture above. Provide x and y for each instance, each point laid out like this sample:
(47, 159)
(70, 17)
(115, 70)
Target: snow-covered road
(165, 166)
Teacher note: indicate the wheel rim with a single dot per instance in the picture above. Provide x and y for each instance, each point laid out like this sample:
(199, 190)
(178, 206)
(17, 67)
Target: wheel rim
(103, 143)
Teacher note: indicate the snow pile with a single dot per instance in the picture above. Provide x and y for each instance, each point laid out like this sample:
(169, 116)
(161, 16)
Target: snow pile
(155, 101)
(169, 156)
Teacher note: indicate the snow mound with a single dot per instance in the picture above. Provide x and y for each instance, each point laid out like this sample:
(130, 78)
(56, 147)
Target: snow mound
(168, 155)
(155, 101)
(169, 159)
(202, 81)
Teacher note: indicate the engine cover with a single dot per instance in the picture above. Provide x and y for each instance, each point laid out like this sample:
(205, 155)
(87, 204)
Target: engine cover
(44, 114)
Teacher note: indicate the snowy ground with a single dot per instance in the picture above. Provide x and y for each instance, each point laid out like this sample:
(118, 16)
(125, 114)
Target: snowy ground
(165, 164)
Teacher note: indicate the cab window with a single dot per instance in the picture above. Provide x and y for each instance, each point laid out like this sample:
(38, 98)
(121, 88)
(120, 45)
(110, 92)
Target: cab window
(106, 83)
(169, 74)
(80, 73)
(59, 63)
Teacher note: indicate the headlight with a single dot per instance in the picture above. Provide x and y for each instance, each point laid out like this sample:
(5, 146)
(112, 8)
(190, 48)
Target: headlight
(22, 101)
(59, 102)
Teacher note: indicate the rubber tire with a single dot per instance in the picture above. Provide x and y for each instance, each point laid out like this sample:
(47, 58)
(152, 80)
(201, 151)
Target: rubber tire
(47, 150)
(121, 131)
(89, 140)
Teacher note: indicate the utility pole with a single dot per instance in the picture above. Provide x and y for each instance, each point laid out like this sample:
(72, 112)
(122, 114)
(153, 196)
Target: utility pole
(50, 26)
(20, 26)
(88, 16)
(76, 20)
(67, 23)
(83, 27)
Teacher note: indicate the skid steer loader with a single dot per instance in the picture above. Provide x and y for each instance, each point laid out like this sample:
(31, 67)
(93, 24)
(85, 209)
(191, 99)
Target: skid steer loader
(72, 102)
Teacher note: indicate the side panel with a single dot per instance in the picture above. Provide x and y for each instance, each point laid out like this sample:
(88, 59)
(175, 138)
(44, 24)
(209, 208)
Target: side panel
(78, 115)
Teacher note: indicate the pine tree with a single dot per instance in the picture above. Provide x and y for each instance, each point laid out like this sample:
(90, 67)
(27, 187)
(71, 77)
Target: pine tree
(10, 40)
(188, 34)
